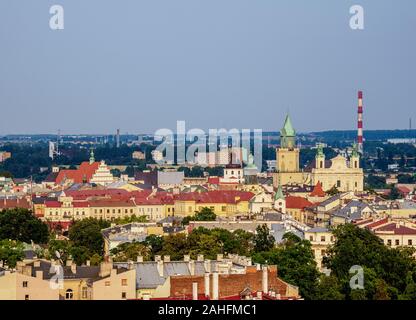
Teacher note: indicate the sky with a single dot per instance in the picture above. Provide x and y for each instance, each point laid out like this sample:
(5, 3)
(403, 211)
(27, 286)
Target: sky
(141, 65)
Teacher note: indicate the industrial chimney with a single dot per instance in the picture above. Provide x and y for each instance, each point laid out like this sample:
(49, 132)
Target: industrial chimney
(360, 123)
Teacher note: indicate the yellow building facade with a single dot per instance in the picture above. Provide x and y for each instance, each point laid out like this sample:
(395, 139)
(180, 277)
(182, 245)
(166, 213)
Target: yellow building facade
(343, 173)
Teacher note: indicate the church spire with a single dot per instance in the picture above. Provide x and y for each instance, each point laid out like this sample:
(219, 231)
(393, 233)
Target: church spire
(287, 134)
(92, 159)
(279, 194)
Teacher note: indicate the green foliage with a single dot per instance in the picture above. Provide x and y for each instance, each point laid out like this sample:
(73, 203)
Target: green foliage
(154, 243)
(329, 288)
(130, 251)
(87, 233)
(385, 269)
(199, 241)
(215, 171)
(375, 182)
(175, 245)
(205, 214)
(192, 172)
(263, 240)
(80, 254)
(410, 291)
(358, 294)
(394, 194)
(130, 219)
(59, 250)
(333, 191)
(22, 225)
(295, 263)
(95, 259)
(11, 251)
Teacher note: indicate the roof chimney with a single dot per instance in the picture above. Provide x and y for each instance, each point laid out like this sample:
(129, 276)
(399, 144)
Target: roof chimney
(74, 268)
(215, 288)
(195, 291)
(206, 284)
(192, 267)
(207, 265)
(264, 280)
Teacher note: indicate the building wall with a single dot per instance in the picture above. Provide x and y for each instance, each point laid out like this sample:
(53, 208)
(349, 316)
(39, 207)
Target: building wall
(287, 160)
(320, 242)
(80, 289)
(12, 287)
(113, 287)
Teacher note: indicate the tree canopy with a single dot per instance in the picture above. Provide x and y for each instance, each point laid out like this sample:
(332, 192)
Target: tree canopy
(21, 225)
(387, 271)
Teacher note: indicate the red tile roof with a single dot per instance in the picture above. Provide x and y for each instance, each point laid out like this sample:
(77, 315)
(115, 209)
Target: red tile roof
(318, 191)
(293, 202)
(404, 190)
(396, 229)
(216, 196)
(214, 180)
(14, 203)
(85, 172)
(376, 224)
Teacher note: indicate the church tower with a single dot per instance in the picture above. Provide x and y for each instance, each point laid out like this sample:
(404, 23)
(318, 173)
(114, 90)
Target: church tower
(320, 157)
(287, 158)
(287, 154)
(355, 157)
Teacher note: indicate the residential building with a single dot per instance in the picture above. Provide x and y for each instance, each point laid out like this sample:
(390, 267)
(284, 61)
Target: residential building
(320, 239)
(24, 286)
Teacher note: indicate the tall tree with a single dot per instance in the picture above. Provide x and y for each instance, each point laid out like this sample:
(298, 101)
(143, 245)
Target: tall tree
(87, 233)
(295, 263)
(263, 240)
(11, 251)
(20, 224)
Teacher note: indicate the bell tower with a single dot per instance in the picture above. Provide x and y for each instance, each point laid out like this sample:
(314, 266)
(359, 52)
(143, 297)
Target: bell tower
(287, 156)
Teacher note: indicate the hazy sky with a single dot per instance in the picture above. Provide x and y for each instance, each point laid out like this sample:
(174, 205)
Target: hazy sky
(140, 65)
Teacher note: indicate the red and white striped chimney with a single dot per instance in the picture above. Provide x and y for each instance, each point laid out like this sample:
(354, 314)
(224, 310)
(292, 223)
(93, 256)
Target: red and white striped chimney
(360, 122)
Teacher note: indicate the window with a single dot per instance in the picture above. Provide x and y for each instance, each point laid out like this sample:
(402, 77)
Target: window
(24, 284)
(84, 292)
(107, 283)
(338, 183)
(124, 282)
(397, 242)
(123, 295)
(410, 242)
(323, 238)
(69, 294)
(26, 297)
(223, 208)
(322, 252)
(389, 242)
